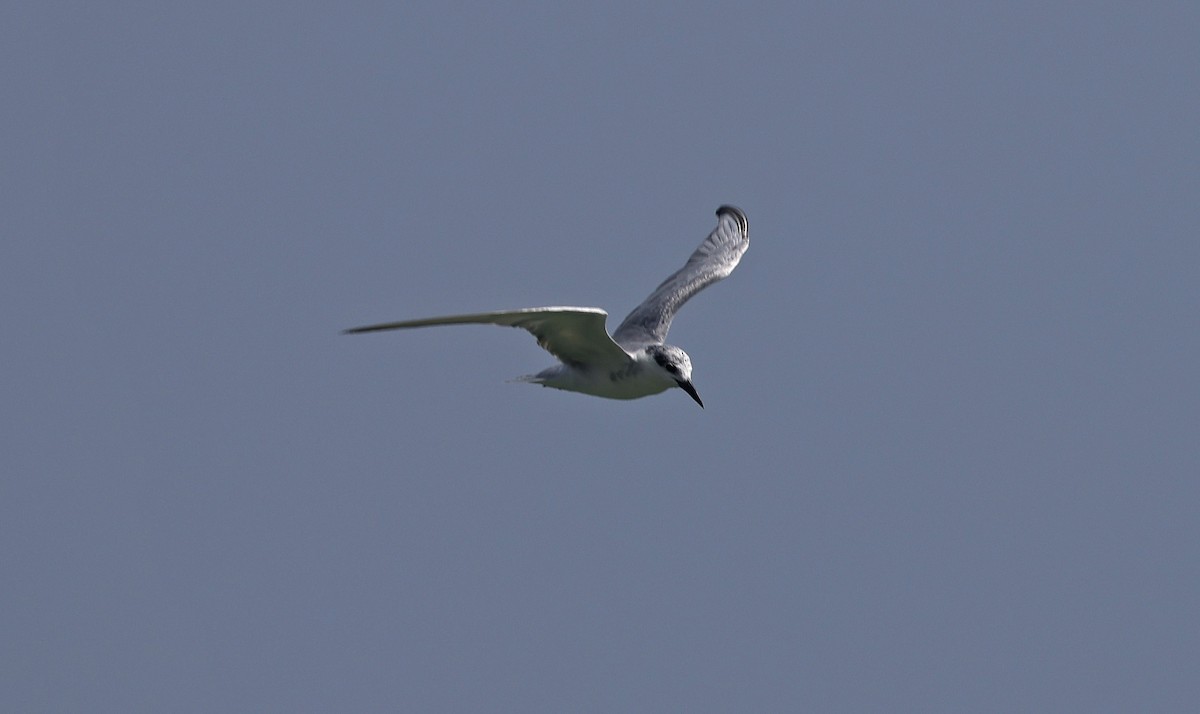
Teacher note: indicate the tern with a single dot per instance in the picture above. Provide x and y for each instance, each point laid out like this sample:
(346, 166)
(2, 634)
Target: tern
(635, 361)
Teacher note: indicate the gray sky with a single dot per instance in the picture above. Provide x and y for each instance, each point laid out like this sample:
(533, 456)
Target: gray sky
(949, 457)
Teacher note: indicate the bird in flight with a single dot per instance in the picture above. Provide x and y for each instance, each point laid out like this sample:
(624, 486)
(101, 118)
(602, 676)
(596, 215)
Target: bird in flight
(635, 361)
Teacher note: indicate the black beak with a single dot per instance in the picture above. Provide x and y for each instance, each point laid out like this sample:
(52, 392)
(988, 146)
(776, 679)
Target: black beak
(687, 387)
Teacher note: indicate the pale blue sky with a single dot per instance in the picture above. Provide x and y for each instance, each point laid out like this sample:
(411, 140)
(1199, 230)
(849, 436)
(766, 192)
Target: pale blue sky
(949, 460)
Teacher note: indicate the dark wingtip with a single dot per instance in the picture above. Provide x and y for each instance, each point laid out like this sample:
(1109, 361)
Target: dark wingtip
(738, 215)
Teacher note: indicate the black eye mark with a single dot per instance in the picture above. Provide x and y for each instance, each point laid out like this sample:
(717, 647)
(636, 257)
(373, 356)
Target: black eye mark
(661, 359)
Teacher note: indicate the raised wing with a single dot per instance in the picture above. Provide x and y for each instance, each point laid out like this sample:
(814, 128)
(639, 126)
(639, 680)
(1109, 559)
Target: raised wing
(716, 258)
(575, 335)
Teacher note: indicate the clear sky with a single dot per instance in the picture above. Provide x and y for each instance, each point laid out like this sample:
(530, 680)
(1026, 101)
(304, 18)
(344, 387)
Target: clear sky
(950, 455)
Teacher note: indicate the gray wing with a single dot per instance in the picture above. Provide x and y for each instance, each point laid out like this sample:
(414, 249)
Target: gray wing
(575, 335)
(715, 259)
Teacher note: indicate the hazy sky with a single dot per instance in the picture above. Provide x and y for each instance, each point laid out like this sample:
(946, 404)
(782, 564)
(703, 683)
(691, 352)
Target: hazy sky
(950, 460)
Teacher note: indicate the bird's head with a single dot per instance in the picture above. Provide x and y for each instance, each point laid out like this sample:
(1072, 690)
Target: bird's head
(675, 365)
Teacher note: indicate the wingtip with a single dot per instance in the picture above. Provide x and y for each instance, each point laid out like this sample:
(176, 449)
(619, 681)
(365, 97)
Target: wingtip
(738, 215)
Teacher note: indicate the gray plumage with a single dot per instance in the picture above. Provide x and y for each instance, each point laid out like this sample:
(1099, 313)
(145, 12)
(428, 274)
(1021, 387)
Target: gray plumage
(714, 260)
(634, 362)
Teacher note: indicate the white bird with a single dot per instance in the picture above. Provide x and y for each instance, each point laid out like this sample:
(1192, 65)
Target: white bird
(635, 361)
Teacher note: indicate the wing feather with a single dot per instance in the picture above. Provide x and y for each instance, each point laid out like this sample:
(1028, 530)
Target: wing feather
(575, 335)
(714, 260)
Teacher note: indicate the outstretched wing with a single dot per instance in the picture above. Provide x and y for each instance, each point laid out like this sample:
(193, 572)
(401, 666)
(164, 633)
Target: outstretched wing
(715, 259)
(575, 335)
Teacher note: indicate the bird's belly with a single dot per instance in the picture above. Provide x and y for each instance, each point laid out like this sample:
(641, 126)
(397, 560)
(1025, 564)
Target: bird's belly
(629, 382)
